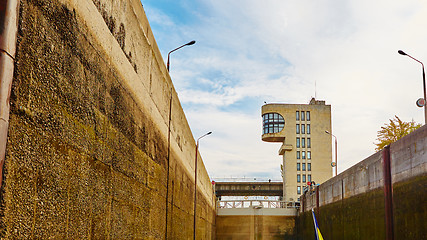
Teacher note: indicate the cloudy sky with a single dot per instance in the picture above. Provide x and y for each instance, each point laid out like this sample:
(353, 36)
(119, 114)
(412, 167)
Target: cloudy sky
(251, 51)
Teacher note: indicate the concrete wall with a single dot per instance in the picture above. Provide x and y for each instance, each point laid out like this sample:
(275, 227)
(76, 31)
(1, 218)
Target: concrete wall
(255, 224)
(352, 204)
(88, 154)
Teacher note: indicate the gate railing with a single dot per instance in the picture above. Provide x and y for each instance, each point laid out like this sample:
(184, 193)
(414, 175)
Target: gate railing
(256, 204)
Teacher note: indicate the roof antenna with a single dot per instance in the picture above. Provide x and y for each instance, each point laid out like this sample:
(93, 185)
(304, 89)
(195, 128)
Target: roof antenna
(315, 89)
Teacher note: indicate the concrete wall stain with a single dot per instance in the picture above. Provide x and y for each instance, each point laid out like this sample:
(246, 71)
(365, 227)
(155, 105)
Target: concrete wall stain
(118, 32)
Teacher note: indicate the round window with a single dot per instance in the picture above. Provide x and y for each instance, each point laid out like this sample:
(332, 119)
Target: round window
(272, 123)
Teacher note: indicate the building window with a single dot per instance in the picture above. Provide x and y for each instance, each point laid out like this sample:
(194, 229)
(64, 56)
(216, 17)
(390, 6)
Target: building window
(297, 128)
(298, 166)
(309, 142)
(272, 123)
(302, 116)
(308, 155)
(298, 154)
(303, 166)
(309, 178)
(308, 115)
(298, 142)
(303, 178)
(298, 178)
(297, 116)
(308, 128)
(302, 128)
(303, 154)
(298, 190)
(303, 142)
(308, 166)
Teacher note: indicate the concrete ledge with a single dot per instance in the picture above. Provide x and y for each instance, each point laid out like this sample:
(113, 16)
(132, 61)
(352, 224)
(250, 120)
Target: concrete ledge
(256, 211)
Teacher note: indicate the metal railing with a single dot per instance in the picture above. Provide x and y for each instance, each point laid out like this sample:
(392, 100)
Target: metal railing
(245, 179)
(256, 204)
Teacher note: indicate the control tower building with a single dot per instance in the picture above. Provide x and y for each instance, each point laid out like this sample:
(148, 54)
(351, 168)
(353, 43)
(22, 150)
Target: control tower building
(306, 147)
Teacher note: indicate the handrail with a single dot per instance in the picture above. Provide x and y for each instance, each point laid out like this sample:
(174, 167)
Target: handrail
(256, 204)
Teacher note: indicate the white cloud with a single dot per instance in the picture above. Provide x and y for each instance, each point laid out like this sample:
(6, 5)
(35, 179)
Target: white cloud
(275, 51)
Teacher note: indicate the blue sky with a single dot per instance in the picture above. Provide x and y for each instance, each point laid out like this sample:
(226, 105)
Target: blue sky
(248, 52)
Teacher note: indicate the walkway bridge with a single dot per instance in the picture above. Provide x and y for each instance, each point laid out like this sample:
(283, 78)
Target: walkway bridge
(248, 189)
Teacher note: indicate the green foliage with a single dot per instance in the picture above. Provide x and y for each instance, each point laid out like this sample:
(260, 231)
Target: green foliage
(394, 131)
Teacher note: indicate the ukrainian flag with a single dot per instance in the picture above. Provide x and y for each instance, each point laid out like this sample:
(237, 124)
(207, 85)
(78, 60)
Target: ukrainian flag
(316, 227)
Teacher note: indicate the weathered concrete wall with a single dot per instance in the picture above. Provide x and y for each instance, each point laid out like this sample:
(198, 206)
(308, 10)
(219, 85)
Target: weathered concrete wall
(351, 205)
(254, 224)
(88, 154)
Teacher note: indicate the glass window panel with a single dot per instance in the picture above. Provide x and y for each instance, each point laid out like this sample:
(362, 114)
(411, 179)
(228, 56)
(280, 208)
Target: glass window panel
(302, 116)
(298, 166)
(303, 166)
(308, 128)
(297, 116)
(309, 178)
(308, 116)
(303, 154)
(308, 166)
(297, 128)
(303, 142)
(302, 128)
(308, 155)
(309, 142)
(303, 178)
(298, 190)
(298, 142)
(273, 122)
(298, 154)
(298, 178)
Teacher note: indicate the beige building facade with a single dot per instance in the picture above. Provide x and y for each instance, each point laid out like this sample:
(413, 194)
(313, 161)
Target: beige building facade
(306, 147)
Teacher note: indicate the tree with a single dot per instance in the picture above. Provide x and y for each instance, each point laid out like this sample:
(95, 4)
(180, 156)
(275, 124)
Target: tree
(394, 131)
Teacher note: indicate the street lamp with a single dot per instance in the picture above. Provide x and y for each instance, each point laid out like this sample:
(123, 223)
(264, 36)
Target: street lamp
(336, 156)
(187, 44)
(420, 104)
(195, 184)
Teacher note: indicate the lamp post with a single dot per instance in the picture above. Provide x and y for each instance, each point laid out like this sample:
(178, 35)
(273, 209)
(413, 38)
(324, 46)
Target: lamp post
(187, 44)
(424, 85)
(195, 184)
(169, 135)
(336, 155)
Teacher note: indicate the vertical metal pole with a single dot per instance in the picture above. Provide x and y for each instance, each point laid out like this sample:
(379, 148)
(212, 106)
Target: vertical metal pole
(195, 192)
(388, 194)
(168, 160)
(425, 99)
(9, 14)
(317, 200)
(336, 157)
